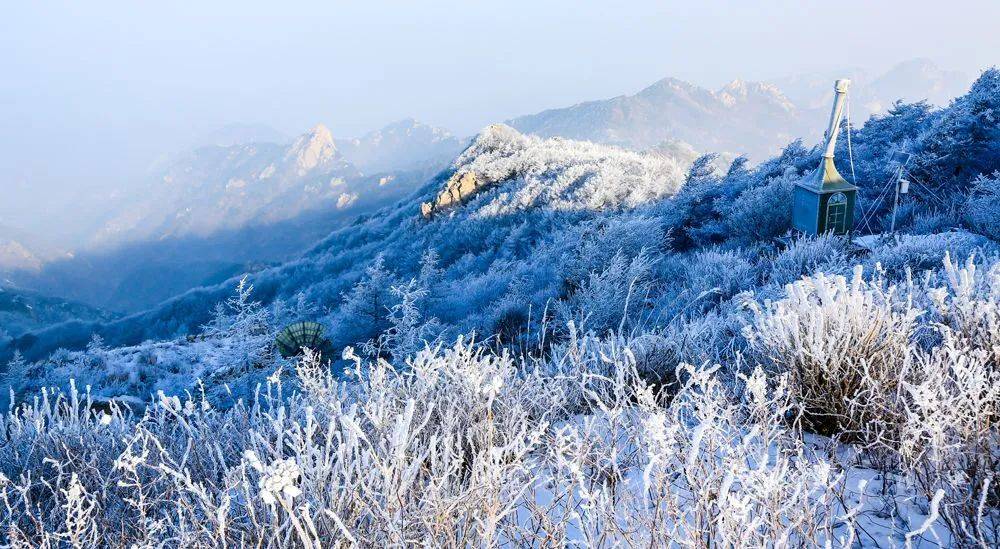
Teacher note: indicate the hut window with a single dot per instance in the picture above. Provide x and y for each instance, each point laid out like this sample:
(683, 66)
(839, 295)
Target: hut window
(836, 213)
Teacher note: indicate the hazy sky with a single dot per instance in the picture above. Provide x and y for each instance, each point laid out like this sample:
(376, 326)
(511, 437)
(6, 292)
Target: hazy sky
(92, 92)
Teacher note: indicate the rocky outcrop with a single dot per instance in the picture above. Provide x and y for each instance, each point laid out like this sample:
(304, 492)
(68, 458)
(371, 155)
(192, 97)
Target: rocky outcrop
(459, 188)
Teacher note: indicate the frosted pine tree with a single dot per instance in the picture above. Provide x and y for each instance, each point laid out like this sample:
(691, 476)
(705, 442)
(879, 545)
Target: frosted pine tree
(409, 331)
(11, 379)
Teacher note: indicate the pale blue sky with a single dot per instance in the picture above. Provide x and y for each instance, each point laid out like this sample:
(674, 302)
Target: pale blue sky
(92, 92)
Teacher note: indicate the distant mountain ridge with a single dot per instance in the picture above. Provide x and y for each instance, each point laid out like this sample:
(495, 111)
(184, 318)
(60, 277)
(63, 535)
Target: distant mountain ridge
(22, 251)
(873, 92)
(246, 179)
(241, 134)
(403, 145)
(223, 188)
(752, 118)
(747, 117)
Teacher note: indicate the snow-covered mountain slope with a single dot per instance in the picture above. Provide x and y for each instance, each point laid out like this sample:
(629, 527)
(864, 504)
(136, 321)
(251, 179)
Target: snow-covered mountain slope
(16, 256)
(218, 211)
(22, 311)
(546, 180)
(246, 179)
(556, 174)
(134, 276)
(574, 228)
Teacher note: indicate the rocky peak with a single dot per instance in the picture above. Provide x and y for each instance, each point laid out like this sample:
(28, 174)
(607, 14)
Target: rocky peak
(741, 91)
(668, 83)
(312, 149)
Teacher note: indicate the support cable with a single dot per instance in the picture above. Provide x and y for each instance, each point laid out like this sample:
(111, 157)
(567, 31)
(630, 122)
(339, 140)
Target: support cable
(850, 153)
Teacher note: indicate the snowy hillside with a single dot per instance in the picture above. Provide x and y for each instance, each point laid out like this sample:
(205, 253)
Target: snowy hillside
(530, 239)
(558, 174)
(23, 311)
(579, 344)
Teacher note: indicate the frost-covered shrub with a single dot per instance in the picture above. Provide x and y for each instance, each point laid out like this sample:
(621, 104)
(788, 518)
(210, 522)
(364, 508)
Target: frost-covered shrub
(711, 338)
(914, 376)
(845, 344)
(967, 305)
(762, 213)
(465, 447)
(916, 253)
(595, 244)
(245, 328)
(363, 314)
(962, 141)
(12, 379)
(409, 330)
(951, 438)
(982, 207)
(806, 255)
(698, 282)
(931, 223)
(611, 299)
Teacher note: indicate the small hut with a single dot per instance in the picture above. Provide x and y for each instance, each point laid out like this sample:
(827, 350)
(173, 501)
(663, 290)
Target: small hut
(824, 200)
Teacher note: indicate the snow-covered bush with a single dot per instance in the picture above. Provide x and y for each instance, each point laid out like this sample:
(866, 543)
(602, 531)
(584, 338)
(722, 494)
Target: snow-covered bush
(762, 213)
(697, 282)
(982, 207)
(912, 375)
(845, 344)
(612, 299)
(951, 438)
(807, 255)
(12, 379)
(463, 447)
(961, 143)
(915, 253)
(408, 330)
(967, 305)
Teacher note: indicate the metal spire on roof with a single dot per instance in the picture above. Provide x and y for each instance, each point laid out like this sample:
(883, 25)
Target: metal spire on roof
(841, 88)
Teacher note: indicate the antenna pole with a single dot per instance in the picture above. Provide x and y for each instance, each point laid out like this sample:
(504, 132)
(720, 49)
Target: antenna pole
(895, 202)
(840, 94)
